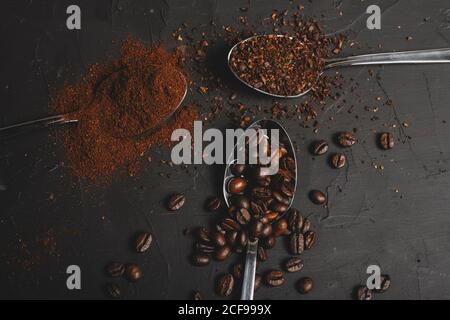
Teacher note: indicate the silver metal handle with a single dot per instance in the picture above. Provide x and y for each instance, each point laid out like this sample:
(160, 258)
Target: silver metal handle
(43, 122)
(405, 57)
(248, 284)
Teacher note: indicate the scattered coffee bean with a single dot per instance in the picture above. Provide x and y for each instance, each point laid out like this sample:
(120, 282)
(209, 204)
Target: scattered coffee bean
(229, 224)
(243, 216)
(176, 202)
(133, 272)
(295, 220)
(213, 204)
(320, 147)
(296, 243)
(257, 228)
(238, 169)
(202, 247)
(225, 285)
(218, 239)
(346, 139)
(222, 253)
(240, 201)
(197, 295)
(338, 160)
(318, 197)
(242, 238)
(203, 235)
(231, 238)
(385, 284)
(305, 285)
(310, 239)
(266, 230)
(237, 185)
(281, 228)
(293, 264)
(386, 140)
(200, 259)
(306, 225)
(115, 269)
(113, 290)
(364, 293)
(143, 242)
(275, 278)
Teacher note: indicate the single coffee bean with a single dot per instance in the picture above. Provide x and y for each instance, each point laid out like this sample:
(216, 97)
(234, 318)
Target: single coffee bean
(266, 230)
(231, 238)
(364, 293)
(320, 148)
(346, 139)
(305, 285)
(386, 140)
(287, 189)
(218, 239)
(229, 224)
(176, 201)
(264, 181)
(258, 281)
(238, 271)
(203, 235)
(240, 201)
(293, 264)
(281, 228)
(280, 198)
(243, 216)
(306, 225)
(200, 259)
(310, 239)
(269, 242)
(143, 242)
(113, 290)
(258, 208)
(261, 254)
(237, 185)
(115, 269)
(213, 204)
(296, 243)
(385, 284)
(338, 160)
(242, 239)
(222, 253)
(275, 278)
(225, 285)
(238, 169)
(202, 247)
(257, 228)
(133, 272)
(288, 163)
(295, 220)
(197, 295)
(271, 216)
(279, 207)
(318, 197)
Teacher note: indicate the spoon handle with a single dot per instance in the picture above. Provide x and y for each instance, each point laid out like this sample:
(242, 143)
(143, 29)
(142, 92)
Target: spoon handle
(412, 57)
(248, 285)
(39, 123)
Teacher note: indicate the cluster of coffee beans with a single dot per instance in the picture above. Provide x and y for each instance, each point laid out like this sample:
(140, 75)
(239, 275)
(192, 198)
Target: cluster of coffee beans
(132, 272)
(364, 293)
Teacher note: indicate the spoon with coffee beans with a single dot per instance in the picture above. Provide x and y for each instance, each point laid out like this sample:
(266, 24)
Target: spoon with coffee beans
(288, 67)
(259, 190)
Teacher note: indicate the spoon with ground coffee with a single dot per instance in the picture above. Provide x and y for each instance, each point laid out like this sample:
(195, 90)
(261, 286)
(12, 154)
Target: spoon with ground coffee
(257, 199)
(286, 67)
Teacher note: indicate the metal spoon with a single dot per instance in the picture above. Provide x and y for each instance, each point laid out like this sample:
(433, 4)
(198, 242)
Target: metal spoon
(248, 285)
(405, 57)
(72, 117)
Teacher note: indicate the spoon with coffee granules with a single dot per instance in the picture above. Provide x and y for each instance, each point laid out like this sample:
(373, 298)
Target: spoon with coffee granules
(264, 78)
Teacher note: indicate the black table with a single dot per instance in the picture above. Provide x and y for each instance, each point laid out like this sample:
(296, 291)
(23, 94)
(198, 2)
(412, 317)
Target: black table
(396, 218)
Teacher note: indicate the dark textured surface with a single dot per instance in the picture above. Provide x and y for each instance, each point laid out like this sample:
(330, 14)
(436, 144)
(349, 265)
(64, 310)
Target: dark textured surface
(407, 232)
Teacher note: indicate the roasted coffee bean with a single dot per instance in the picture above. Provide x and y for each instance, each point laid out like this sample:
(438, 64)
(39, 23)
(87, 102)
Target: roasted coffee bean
(288, 163)
(269, 242)
(222, 253)
(320, 147)
(257, 228)
(264, 181)
(293, 264)
(286, 175)
(261, 254)
(318, 197)
(266, 230)
(231, 238)
(225, 285)
(213, 204)
(200, 259)
(306, 225)
(176, 201)
(346, 139)
(338, 160)
(243, 216)
(113, 290)
(261, 193)
(258, 208)
(296, 243)
(275, 278)
(197, 295)
(287, 189)
(258, 281)
(385, 284)
(133, 272)
(271, 216)
(279, 207)
(305, 285)
(386, 140)
(242, 239)
(237, 185)
(203, 235)
(238, 169)
(240, 201)
(115, 269)
(204, 247)
(295, 220)
(310, 239)
(143, 242)
(218, 239)
(238, 271)
(280, 198)
(228, 224)
(364, 293)
(281, 227)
